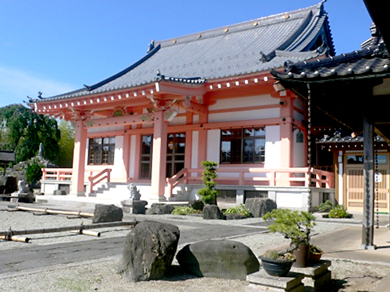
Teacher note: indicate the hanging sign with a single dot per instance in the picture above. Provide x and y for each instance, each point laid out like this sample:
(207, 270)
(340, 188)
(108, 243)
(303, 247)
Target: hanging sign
(378, 177)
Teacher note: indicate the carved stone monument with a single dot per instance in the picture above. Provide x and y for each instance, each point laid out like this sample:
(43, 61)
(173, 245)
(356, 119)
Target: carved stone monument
(23, 194)
(134, 204)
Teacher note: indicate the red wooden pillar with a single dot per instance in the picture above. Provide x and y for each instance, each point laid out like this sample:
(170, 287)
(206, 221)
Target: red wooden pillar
(159, 156)
(286, 136)
(80, 146)
(202, 144)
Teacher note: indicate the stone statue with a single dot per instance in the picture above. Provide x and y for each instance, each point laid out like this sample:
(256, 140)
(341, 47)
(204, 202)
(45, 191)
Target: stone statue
(22, 187)
(134, 205)
(40, 151)
(134, 193)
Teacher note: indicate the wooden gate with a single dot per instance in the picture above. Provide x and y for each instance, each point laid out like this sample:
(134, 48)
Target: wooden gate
(355, 189)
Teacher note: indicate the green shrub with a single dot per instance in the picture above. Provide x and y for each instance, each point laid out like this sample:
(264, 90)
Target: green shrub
(33, 172)
(326, 207)
(339, 212)
(293, 225)
(209, 194)
(278, 255)
(184, 210)
(240, 209)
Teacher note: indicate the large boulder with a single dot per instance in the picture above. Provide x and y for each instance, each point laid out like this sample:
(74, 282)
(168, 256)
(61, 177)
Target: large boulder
(160, 208)
(107, 213)
(212, 212)
(260, 206)
(8, 184)
(149, 251)
(196, 204)
(225, 259)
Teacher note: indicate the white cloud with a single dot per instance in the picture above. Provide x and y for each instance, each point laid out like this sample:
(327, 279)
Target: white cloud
(15, 85)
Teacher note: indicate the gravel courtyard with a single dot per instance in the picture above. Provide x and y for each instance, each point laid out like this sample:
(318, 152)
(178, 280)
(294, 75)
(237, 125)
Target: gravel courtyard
(100, 275)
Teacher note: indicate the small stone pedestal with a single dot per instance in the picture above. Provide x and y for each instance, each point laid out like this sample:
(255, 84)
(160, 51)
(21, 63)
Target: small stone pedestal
(317, 275)
(261, 281)
(134, 206)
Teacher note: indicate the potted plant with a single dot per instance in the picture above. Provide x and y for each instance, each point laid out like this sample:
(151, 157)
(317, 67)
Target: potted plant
(315, 253)
(277, 263)
(296, 226)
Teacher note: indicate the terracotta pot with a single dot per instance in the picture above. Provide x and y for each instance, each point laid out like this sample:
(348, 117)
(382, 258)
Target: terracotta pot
(315, 257)
(278, 268)
(301, 255)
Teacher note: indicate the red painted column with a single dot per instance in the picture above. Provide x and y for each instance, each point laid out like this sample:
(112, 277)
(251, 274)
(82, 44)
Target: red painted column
(202, 144)
(159, 156)
(126, 156)
(80, 145)
(286, 137)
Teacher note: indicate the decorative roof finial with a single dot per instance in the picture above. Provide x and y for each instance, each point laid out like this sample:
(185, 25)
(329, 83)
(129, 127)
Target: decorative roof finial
(151, 46)
(40, 95)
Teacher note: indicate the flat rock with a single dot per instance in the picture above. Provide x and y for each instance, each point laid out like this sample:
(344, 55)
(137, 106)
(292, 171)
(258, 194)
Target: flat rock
(225, 259)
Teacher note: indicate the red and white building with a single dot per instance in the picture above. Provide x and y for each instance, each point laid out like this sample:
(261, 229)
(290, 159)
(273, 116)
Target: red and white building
(205, 96)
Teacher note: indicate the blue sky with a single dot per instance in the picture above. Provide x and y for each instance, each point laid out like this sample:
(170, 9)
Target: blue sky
(55, 46)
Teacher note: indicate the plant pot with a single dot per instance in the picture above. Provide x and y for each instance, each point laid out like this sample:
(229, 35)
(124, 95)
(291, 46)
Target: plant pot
(302, 255)
(278, 268)
(315, 257)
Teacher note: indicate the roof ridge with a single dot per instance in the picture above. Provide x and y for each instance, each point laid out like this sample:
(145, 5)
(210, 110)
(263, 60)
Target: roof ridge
(242, 26)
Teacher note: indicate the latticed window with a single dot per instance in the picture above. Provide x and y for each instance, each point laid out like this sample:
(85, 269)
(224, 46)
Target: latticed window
(243, 145)
(101, 151)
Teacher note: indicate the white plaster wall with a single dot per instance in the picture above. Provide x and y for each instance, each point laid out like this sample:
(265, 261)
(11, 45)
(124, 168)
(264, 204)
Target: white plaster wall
(298, 103)
(213, 145)
(195, 119)
(117, 170)
(178, 121)
(245, 115)
(244, 102)
(194, 156)
(292, 200)
(272, 147)
(299, 152)
(132, 156)
(298, 116)
(105, 129)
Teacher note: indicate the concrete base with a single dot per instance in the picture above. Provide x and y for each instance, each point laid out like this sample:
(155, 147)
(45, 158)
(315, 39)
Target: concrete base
(367, 247)
(317, 275)
(134, 206)
(261, 281)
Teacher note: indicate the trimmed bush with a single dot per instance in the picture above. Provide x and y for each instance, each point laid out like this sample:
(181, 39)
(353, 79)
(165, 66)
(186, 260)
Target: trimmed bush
(184, 210)
(240, 210)
(339, 212)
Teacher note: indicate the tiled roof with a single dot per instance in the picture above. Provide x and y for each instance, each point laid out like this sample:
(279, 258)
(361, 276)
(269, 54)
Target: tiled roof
(234, 50)
(7, 156)
(368, 62)
(338, 138)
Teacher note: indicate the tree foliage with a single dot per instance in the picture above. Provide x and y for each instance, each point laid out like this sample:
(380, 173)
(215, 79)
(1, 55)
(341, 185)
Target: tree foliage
(24, 130)
(66, 144)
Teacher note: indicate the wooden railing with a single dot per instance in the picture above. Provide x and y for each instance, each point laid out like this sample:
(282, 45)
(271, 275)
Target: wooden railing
(95, 179)
(62, 174)
(305, 177)
(57, 173)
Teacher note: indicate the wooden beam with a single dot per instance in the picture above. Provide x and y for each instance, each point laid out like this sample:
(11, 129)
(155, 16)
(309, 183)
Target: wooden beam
(180, 89)
(147, 118)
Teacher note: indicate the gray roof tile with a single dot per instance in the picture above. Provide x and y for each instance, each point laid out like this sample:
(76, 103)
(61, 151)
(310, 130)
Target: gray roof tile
(229, 51)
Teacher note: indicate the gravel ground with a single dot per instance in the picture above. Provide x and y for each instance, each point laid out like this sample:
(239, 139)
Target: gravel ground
(100, 275)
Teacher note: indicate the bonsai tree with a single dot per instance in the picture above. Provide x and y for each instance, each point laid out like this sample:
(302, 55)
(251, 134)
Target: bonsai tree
(208, 194)
(294, 225)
